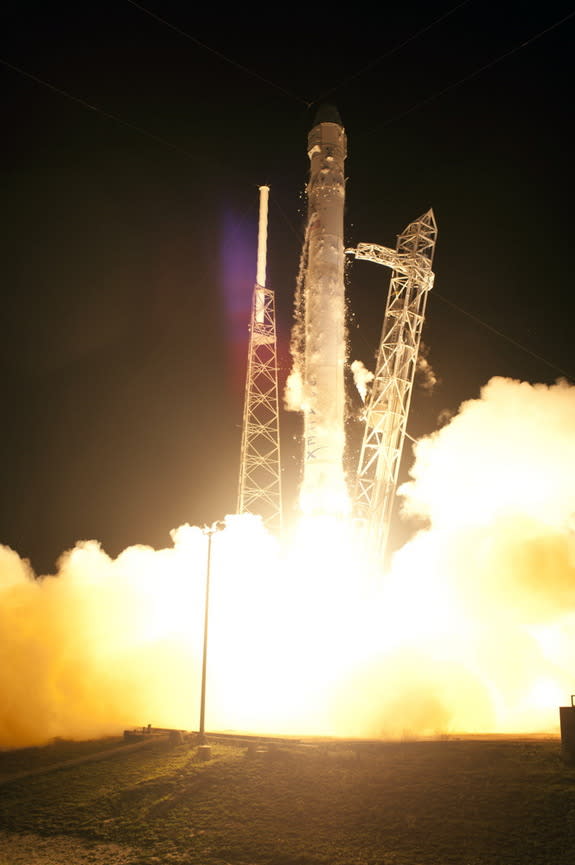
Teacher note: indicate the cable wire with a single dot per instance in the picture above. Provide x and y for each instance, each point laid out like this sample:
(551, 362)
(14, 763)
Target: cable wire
(471, 75)
(188, 154)
(390, 52)
(219, 54)
(96, 109)
(502, 335)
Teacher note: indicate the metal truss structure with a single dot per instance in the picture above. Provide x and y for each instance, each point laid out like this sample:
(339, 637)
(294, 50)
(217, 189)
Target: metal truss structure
(260, 469)
(387, 404)
(259, 490)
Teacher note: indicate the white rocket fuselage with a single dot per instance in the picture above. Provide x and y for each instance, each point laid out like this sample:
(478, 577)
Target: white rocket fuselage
(324, 489)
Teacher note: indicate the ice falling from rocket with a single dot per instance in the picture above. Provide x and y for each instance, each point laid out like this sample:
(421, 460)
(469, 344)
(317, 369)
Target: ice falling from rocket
(319, 344)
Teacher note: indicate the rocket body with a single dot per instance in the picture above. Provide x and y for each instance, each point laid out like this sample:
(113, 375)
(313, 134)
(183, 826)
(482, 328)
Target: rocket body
(324, 489)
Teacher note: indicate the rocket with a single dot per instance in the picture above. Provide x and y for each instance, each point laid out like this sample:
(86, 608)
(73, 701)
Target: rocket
(324, 488)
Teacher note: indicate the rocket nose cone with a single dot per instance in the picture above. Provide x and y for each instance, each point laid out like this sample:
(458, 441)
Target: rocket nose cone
(327, 113)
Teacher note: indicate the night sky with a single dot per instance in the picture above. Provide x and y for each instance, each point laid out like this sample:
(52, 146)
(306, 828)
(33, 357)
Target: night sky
(129, 232)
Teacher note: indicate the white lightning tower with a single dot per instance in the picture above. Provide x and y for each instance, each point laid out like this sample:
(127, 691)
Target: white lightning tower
(387, 405)
(259, 489)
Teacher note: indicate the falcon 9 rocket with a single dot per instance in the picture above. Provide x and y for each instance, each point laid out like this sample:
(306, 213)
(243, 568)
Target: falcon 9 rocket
(323, 352)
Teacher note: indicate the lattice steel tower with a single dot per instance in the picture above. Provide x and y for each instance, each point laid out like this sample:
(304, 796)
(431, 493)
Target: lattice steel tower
(259, 490)
(387, 405)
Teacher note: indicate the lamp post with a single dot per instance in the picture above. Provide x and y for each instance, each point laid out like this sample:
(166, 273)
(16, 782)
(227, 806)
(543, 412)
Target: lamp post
(210, 532)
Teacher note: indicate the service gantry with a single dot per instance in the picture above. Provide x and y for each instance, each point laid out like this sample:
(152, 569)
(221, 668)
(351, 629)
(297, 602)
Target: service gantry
(388, 400)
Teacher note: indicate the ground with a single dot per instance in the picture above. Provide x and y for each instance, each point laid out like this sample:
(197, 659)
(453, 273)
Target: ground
(444, 802)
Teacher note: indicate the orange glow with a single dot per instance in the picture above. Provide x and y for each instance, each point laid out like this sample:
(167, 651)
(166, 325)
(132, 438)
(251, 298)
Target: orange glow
(472, 629)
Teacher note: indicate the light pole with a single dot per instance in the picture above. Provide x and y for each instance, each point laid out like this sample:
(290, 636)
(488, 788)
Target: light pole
(209, 531)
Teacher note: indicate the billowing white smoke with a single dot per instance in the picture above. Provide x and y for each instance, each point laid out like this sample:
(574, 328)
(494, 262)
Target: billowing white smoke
(361, 377)
(102, 644)
(293, 394)
(426, 374)
(473, 629)
(510, 452)
(294, 390)
(497, 486)
(474, 626)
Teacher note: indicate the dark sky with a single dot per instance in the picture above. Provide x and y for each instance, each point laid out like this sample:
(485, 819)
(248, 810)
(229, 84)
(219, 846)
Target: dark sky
(128, 260)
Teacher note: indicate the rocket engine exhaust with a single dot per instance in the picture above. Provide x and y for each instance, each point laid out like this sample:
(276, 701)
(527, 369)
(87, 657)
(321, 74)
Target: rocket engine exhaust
(322, 354)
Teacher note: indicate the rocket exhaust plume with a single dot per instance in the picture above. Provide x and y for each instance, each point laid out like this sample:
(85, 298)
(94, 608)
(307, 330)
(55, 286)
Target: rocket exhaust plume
(316, 384)
(472, 629)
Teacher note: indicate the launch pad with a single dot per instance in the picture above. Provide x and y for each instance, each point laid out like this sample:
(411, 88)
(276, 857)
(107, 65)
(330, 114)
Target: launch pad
(316, 384)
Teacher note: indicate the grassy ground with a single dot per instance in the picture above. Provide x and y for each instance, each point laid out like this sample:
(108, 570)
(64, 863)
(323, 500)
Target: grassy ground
(410, 803)
(59, 750)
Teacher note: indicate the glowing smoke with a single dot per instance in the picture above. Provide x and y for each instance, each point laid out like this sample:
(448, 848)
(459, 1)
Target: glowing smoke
(498, 488)
(294, 393)
(427, 378)
(103, 642)
(361, 377)
(473, 629)
(510, 452)
(325, 490)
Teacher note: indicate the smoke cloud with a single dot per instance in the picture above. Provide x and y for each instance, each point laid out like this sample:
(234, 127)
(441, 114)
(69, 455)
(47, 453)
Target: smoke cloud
(497, 489)
(427, 377)
(293, 394)
(510, 452)
(361, 377)
(100, 644)
(472, 629)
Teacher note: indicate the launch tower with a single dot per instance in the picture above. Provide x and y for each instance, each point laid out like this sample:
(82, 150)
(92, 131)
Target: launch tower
(259, 490)
(387, 406)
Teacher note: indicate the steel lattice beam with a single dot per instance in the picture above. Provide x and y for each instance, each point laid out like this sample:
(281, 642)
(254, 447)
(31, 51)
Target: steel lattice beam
(260, 468)
(387, 405)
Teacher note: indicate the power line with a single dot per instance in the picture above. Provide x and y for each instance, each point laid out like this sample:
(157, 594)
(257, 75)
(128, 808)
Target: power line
(97, 109)
(502, 335)
(298, 234)
(140, 130)
(473, 74)
(390, 52)
(219, 54)
(493, 330)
